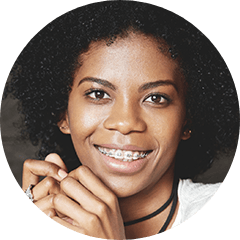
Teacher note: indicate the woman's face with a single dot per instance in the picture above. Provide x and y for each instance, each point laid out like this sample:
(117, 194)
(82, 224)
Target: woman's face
(126, 113)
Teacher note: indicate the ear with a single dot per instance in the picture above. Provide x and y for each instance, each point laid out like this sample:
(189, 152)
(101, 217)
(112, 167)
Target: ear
(63, 125)
(186, 131)
(186, 134)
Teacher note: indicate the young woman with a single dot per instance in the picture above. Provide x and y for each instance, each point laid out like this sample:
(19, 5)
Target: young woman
(140, 99)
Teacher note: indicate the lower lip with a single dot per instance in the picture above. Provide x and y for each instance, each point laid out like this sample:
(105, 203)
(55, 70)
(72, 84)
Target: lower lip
(124, 167)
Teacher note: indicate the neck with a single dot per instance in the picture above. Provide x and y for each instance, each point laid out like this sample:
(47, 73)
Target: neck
(148, 200)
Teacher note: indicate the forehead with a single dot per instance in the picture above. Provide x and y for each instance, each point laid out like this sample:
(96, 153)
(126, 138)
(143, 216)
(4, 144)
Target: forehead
(136, 56)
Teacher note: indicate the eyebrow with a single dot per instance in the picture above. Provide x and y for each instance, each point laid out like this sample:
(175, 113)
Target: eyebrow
(155, 84)
(142, 88)
(103, 82)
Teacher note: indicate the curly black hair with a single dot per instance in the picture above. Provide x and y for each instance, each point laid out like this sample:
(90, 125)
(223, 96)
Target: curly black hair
(42, 77)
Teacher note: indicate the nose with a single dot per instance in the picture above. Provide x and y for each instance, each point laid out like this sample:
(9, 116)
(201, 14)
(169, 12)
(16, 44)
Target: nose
(125, 118)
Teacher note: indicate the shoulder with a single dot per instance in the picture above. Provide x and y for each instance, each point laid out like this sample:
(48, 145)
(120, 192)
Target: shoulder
(192, 197)
(190, 192)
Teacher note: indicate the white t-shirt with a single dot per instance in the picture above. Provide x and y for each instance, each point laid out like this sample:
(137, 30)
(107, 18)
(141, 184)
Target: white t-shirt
(192, 197)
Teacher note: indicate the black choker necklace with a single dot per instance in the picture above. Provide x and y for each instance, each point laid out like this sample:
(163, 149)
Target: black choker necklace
(173, 197)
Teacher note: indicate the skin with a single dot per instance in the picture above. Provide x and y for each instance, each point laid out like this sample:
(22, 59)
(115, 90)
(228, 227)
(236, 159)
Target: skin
(138, 101)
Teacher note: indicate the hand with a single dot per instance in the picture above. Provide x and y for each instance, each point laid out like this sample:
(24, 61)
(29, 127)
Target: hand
(55, 170)
(91, 208)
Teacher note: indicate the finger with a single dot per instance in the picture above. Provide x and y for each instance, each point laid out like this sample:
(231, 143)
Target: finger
(50, 213)
(45, 203)
(32, 169)
(83, 196)
(46, 187)
(90, 181)
(55, 158)
(105, 213)
(65, 223)
(71, 209)
(47, 206)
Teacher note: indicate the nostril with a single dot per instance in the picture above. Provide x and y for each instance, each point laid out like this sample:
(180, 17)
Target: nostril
(125, 125)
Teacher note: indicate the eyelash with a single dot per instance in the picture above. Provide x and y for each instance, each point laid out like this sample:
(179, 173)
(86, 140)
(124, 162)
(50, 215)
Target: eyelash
(163, 97)
(95, 91)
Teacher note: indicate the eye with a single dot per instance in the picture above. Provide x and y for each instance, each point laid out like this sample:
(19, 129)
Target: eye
(97, 94)
(158, 99)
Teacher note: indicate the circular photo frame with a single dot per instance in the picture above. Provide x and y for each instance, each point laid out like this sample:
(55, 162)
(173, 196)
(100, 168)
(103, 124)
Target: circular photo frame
(159, 153)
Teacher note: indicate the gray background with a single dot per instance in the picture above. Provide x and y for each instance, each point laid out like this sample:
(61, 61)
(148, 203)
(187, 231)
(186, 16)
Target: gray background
(20, 20)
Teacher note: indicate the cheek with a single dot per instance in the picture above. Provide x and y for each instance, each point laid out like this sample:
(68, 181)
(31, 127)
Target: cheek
(167, 127)
(83, 120)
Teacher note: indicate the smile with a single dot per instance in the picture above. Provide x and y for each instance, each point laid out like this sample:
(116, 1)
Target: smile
(123, 155)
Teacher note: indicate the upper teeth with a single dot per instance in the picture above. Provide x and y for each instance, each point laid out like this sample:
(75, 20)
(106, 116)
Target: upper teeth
(122, 154)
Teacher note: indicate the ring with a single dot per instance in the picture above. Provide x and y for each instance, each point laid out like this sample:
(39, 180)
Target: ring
(29, 193)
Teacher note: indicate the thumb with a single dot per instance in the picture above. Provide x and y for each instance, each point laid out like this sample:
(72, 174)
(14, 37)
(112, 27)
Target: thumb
(55, 158)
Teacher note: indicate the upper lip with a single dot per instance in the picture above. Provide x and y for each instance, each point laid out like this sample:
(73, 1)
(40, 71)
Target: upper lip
(122, 147)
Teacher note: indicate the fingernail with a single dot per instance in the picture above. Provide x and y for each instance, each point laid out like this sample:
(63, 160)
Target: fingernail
(69, 220)
(62, 174)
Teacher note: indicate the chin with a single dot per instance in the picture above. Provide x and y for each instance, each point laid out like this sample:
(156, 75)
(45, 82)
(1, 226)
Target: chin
(123, 192)
(123, 187)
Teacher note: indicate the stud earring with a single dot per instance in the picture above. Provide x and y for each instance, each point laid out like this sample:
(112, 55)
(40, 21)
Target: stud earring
(187, 132)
